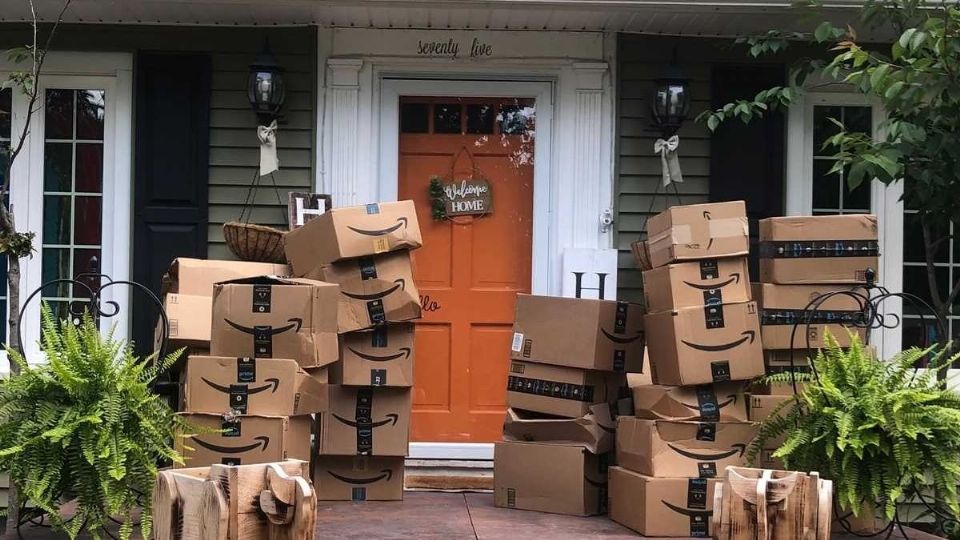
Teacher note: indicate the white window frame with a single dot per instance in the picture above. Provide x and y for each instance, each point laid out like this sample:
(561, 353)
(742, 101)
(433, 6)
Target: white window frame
(112, 72)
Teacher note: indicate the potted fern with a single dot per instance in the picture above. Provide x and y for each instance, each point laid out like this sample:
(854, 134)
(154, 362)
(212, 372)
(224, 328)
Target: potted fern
(879, 430)
(85, 426)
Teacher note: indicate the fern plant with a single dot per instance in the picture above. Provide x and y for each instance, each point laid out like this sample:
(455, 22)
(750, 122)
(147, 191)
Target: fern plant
(877, 429)
(85, 425)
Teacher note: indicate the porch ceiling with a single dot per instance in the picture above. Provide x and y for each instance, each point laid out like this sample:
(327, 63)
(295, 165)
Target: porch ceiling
(705, 18)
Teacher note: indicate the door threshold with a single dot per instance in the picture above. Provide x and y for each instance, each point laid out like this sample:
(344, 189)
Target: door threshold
(448, 475)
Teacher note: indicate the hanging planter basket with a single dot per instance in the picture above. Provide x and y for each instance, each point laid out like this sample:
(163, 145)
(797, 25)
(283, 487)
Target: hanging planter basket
(255, 243)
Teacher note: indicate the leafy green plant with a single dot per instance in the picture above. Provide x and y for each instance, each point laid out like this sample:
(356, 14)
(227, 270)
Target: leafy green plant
(85, 425)
(437, 204)
(877, 429)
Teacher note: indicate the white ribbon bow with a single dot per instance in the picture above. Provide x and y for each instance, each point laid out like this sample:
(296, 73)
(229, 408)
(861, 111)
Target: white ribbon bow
(268, 148)
(669, 159)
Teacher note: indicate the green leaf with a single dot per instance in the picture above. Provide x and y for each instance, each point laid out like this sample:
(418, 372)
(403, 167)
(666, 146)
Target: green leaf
(823, 32)
(894, 90)
(713, 122)
(905, 37)
(878, 75)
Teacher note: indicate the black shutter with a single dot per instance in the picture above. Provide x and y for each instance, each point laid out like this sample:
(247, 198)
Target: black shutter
(170, 186)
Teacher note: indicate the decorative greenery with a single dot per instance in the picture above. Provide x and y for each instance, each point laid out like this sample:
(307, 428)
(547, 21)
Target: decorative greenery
(877, 429)
(85, 425)
(438, 205)
(17, 244)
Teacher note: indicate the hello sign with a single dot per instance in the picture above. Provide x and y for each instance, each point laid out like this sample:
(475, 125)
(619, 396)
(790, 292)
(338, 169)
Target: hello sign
(468, 197)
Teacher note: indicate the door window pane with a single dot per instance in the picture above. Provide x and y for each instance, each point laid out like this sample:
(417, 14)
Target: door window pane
(446, 118)
(6, 120)
(414, 117)
(90, 114)
(831, 193)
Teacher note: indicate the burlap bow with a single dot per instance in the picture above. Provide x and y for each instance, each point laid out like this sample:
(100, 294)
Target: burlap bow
(268, 148)
(669, 159)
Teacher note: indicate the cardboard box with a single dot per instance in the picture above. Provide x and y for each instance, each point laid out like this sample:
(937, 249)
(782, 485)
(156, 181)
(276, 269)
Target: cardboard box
(189, 319)
(766, 460)
(818, 249)
(590, 334)
(352, 231)
(801, 368)
(561, 391)
(366, 421)
(594, 430)
(701, 345)
(373, 290)
(786, 323)
(264, 386)
(196, 277)
(379, 357)
(269, 317)
(662, 507)
(358, 478)
(698, 231)
(718, 402)
(664, 448)
(562, 479)
(761, 407)
(697, 283)
(245, 439)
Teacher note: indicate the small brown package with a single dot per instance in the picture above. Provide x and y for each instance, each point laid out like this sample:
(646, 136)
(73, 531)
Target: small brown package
(818, 249)
(352, 231)
(697, 283)
(379, 357)
(785, 307)
(196, 277)
(366, 421)
(189, 318)
(718, 402)
(561, 391)
(698, 231)
(594, 430)
(245, 439)
(557, 478)
(358, 478)
(662, 507)
(761, 407)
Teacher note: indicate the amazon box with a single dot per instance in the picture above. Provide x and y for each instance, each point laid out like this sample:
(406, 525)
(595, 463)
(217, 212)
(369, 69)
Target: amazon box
(763, 407)
(379, 357)
(577, 332)
(594, 430)
(664, 448)
(189, 318)
(196, 277)
(557, 478)
(701, 345)
(698, 231)
(358, 478)
(244, 439)
(697, 283)
(366, 421)
(662, 507)
(818, 249)
(373, 290)
(784, 308)
(270, 317)
(718, 402)
(258, 386)
(350, 232)
(559, 390)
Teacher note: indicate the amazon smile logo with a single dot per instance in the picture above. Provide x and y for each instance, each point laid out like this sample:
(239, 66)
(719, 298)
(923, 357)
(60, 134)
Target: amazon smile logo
(384, 474)
(272, 384)
(732, 398)
(734, 278)
(398, 284)
(264, 441)
(738, 448)
(401, 222)
(390, 419)
(621, 340)
(295, 325)
(595, 483)
(708, 217)
(404, 352)
(701, 514)
(748, 335)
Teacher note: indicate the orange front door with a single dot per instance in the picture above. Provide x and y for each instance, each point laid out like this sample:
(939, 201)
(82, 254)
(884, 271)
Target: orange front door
(470, 268)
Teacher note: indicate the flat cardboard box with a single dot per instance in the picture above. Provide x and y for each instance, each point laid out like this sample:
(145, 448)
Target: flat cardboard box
(246, 439)
(818, 249)
(374, 290)
(358, 478)
(697, 283)
(698, 231)
(575, 332)
(196, 277)
(664, 448)
(189, 318)
(594, 430)
(350, 232)
(787, 320)
(269, 317)
(561, 391)
(662, 507)
(562, 479)
(366, 421)
(701, 345)
(379, 357)
(256, 386)
(718, 402)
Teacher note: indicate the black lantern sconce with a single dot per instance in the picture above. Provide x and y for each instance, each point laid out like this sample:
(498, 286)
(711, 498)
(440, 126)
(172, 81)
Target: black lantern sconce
(265, 88)
(671, 99)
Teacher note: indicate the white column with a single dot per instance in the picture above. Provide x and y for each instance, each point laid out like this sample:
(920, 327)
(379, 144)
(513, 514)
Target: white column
(341, 133)
(587, 166)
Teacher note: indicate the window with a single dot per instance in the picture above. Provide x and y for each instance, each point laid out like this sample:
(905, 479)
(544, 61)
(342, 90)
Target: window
(831, 193)
(6, 110)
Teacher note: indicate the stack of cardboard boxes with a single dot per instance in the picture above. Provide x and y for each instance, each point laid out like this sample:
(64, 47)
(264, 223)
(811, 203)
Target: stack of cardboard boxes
(704, 345)
(568, 363)
(363, 252)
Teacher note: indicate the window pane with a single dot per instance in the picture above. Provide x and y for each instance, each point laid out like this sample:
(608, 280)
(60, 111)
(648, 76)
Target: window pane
(915, 282)
(89, 167)
(913, 249)
(446, 118)
(56, 265)
(57, 170)
(857, 199)
(858, 119)
(86, 226)
(90, 114)
(6, 106)
(56, 219)
(414, 118)
(59, 114)
(826, 187)
(516, 119)
(86, 261)
(824, 128)
(480, 119)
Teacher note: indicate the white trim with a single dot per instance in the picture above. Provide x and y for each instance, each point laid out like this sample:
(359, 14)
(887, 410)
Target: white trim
(471, 451)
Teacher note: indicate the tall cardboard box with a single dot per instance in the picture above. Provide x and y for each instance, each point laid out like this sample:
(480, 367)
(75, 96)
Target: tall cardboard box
(264, 386)
(662, 507)
(575, 332)
(784, 308)
(701, 345)
(594, 430)
(560, 391)
(379, 357)
(818, 249)
(698, 231)
(245, 439)
(358, 478)
(267, 317)
(562, 479)
(374, 290)
(352, 231)
(718, 402)
(697, 283)
(366, 421)
(664, 448)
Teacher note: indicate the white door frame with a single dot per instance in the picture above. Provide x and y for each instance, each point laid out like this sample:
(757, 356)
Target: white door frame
(391, 90)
